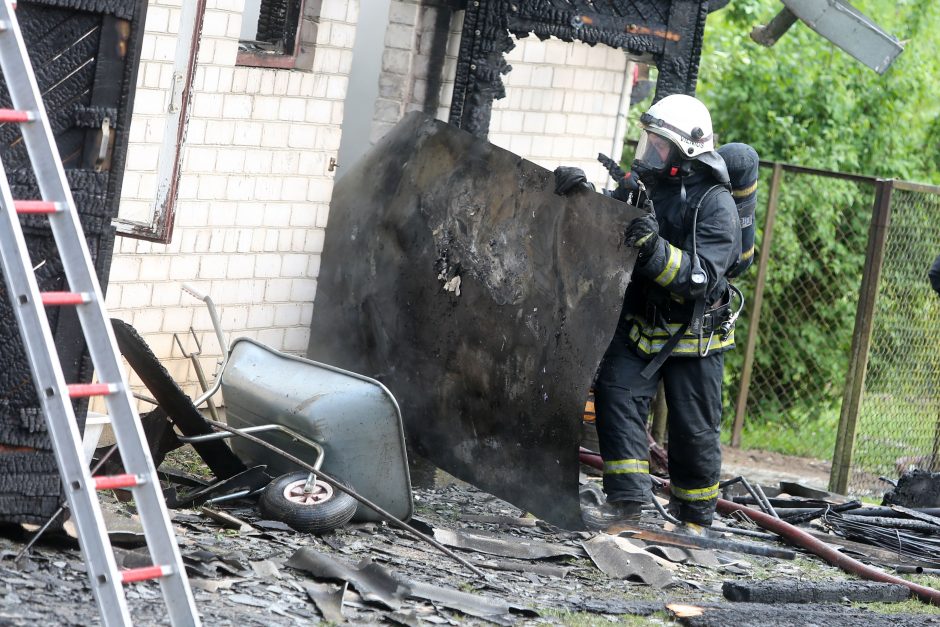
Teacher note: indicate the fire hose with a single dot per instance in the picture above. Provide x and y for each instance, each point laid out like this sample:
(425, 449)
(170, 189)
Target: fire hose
(801, 539)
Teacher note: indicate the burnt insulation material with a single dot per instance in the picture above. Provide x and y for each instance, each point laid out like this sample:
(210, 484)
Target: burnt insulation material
(123, 9)
(454, 275)
(916, 488)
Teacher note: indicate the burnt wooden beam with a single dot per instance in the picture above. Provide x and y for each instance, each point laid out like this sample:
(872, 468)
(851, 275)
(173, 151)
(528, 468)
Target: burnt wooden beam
(667, 34)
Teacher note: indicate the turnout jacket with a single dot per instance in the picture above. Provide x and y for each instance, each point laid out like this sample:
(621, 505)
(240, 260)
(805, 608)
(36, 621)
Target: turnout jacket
(661, 295)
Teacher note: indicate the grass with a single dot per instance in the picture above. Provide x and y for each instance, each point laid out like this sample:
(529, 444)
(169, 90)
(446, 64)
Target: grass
(894, 431)
(913, 605)
(814, 438)
(185, 459)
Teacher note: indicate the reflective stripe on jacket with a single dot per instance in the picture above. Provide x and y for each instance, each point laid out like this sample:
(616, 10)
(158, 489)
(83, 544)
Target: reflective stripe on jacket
(664, 279)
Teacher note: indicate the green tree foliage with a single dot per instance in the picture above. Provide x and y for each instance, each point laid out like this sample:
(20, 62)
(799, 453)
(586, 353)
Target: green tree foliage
(806, 102)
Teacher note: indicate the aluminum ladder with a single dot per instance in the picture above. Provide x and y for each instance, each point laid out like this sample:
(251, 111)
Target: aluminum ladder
(55, 395)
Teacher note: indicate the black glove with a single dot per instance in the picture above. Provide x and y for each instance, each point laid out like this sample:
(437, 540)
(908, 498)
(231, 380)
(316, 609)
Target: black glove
(643, 234)
(568, 178)
(627, 190)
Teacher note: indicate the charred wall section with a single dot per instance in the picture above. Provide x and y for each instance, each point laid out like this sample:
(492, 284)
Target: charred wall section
(85, 55)
(666, 33)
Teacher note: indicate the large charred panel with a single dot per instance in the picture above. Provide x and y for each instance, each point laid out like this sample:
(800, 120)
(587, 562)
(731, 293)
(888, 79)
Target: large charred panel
(85, 55)
(453, 274)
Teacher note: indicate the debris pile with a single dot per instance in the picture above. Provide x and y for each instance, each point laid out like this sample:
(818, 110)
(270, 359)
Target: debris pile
(249, 571)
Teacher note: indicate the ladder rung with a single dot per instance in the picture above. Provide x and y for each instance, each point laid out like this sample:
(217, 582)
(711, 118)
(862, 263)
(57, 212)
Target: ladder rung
(116, 482)
(16, 115)
(143, 574)
(83, 390)
(54, 299)
(36, 206)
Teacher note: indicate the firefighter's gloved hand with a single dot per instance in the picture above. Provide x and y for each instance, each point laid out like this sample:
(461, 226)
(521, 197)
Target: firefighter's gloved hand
(627, 188)
(567, 179)
(643, 234)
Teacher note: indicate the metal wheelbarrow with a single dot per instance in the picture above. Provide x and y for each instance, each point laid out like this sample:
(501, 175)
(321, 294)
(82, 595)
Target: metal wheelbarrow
(341, 422)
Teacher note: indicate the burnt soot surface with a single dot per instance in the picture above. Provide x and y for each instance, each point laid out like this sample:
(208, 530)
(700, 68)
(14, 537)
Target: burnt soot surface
(85, 55)
(454, 275)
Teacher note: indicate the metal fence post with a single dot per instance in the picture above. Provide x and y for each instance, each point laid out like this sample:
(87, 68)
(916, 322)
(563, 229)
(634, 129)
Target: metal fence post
(754, 320)
(861, 337)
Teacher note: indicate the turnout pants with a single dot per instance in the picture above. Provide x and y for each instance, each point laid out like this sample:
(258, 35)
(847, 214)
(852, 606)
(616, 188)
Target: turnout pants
(693, 397)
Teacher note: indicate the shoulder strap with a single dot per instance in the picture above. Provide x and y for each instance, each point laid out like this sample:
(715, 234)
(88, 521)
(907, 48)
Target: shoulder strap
(698, 205)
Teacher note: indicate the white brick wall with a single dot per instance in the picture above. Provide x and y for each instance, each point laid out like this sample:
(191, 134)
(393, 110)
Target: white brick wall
(561, 105)
(254, 191)
(562, 100)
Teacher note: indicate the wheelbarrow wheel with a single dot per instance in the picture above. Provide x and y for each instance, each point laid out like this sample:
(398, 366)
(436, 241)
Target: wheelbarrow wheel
(323, 509)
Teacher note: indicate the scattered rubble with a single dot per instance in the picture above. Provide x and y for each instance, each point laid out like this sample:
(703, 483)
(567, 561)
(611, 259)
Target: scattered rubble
(916, 488)
(795, 591)
(254, 572)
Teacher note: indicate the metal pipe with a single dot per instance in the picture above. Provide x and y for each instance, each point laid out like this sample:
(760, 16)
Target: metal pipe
(861, 338)
(798, 537)
(753, 324)
(260, 429)
(754, 495)
(339, 486)
(662, 512)
(917, 570)
(750, 533)
(767, 505)
(768, 34)
(197, 367)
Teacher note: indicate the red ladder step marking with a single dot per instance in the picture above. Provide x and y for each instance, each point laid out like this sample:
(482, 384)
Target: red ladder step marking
(55, 299)
(83, 390)
(15, 115)
(147, 572)
(116, 482)
(36, 206)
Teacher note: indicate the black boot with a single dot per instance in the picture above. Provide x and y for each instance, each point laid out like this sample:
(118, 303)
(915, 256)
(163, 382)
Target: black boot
(605, 515)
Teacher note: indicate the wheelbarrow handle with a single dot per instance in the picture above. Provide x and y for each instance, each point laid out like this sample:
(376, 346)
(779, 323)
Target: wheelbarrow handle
(223, 345)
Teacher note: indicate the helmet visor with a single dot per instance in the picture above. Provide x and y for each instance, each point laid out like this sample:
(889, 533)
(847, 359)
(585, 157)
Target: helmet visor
(655, 151)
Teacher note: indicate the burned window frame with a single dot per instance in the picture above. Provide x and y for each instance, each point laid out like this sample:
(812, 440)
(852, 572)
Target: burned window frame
(304, 24)
(169, 162)
(665, 33)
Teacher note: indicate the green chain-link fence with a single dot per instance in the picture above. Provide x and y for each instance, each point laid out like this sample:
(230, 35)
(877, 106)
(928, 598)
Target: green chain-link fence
(898, 415)
(803, 290)
(798, 372)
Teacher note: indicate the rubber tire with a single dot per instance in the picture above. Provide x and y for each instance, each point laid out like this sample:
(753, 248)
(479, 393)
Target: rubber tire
(314, 518)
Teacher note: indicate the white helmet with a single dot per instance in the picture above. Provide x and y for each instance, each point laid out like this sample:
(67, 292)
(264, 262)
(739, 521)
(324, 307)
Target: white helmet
(684, 122)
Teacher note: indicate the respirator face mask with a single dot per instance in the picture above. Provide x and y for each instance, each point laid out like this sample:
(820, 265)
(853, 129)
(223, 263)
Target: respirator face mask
(654, 155)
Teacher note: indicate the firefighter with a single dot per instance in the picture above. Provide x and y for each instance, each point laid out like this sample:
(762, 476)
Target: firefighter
(934, 275)
(673, 324)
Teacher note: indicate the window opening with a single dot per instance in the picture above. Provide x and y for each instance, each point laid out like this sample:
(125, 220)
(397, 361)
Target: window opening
(270, 28)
